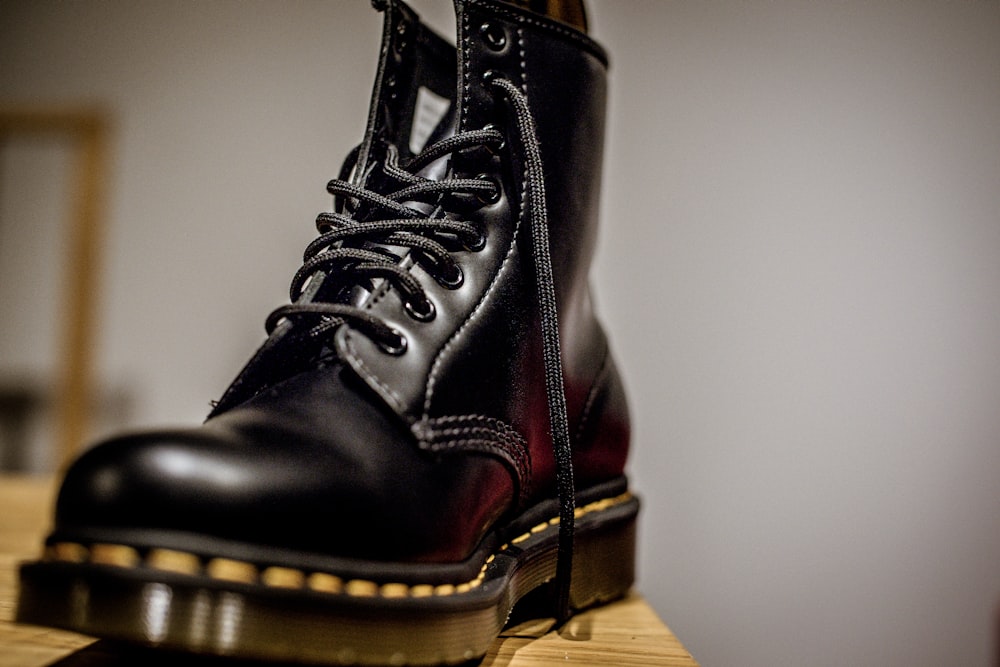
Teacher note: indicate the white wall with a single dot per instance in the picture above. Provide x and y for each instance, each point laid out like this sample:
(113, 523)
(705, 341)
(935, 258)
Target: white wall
(800, 267)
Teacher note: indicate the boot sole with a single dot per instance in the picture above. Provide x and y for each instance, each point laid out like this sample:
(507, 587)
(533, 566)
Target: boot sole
(177, 600)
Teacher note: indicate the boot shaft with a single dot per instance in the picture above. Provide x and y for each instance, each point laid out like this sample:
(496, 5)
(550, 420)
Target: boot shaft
(481, 362)
(475, 361)
(562, 71)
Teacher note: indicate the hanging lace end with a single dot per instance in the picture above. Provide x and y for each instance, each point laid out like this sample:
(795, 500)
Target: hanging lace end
(564, 566)
(551, 347)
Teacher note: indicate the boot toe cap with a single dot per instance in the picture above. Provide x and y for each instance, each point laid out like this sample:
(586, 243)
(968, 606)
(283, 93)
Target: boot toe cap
(234, 481)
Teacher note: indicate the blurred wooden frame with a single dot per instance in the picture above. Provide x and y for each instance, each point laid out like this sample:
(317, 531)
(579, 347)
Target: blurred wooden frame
(88, 131)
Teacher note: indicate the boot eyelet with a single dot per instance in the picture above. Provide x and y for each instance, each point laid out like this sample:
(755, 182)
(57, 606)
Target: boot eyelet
(395, 347)
(425, 312)
(453, 281)
(400, 43)
(489, 76)
(494, 36)
(488, 199)
(475, 244)
(495, 150)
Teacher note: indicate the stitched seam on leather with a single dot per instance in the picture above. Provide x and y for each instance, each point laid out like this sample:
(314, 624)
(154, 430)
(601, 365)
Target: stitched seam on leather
(452, 341)
(524, 66)
(377, 295)
(490, 423)
(466, 60)
(494, 437)
(480, 424)
(442, 353)
(592, 396)
(484, 445)
(359, 365)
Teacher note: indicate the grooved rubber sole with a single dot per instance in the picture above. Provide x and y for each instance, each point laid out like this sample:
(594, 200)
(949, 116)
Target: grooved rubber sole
(169, 599)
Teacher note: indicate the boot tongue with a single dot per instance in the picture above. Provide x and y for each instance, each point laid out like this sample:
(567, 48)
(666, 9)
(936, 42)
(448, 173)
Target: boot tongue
(441, 113)
(414, 90)
(433, 119)
(412, 107)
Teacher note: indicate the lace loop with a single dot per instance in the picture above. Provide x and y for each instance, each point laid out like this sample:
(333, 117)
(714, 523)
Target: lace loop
(358, 243)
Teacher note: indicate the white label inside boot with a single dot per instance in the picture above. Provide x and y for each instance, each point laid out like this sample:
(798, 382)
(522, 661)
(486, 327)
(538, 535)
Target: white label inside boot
(430, 110)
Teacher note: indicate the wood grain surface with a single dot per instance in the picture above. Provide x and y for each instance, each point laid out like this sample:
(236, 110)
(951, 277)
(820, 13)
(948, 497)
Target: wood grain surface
(623, 634)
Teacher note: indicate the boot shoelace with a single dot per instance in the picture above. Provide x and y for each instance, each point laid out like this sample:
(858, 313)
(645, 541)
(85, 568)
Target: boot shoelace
(391, 222)
(361, 260)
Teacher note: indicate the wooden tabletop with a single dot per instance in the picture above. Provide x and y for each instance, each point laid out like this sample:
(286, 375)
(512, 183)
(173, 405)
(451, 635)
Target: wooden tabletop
(623, 634)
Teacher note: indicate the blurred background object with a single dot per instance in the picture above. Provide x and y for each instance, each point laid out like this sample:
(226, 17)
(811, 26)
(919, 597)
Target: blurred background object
(63, 395)
(799, 266)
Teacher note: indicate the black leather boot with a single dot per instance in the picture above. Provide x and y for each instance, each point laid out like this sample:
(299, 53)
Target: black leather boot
(434, 428)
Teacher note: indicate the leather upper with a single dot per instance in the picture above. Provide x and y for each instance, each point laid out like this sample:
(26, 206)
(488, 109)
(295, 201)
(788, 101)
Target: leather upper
(411, 457)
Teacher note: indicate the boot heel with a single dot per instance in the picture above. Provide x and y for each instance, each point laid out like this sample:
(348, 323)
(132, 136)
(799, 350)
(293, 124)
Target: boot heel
(603, 564)
(603, 561)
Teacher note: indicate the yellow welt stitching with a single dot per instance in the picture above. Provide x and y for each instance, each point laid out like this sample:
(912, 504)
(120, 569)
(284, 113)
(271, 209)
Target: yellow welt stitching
(361, 588)
(69, 552)
(116, 555)
(169, 560)
(444, 589)
(394, 590)
(283, 577)
(225, 569)
(325, 583)
(421, 591)
(596, 506)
